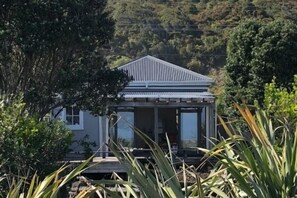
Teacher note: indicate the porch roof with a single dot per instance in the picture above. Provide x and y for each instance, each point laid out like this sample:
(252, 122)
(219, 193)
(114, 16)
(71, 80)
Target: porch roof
(170, 96)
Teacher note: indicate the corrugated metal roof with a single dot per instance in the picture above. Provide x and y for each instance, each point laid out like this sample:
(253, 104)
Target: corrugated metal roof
(169, 95)
(150, 68)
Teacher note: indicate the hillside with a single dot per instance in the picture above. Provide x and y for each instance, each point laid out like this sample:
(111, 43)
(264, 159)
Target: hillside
(190, 33)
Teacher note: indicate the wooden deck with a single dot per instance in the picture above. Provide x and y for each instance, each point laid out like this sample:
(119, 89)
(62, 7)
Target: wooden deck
(112, 164)
(105, 165)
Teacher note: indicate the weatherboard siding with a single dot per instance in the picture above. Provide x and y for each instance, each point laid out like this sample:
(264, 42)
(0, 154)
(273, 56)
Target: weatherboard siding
(91, 129)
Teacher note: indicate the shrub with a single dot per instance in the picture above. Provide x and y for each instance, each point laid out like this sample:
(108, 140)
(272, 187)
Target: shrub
(281, 103)
(29, 145)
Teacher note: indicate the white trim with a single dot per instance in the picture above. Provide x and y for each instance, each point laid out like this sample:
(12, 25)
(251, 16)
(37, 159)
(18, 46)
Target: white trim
(76, 127)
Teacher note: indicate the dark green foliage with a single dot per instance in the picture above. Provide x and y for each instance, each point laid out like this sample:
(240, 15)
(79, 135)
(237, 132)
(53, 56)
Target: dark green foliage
(163, 30)
(203, 24)
(51, 49)
(86, 144)
(192, 33)
(28, 145)
(256, 53)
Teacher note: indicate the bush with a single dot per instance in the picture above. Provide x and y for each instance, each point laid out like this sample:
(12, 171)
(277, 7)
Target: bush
(27, 144)
(280, 103)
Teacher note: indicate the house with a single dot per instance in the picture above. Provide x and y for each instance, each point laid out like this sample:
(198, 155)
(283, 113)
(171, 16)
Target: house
(163, 98)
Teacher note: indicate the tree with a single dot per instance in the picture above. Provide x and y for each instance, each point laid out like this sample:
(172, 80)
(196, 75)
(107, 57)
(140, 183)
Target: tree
(256, 52)
(52, 52)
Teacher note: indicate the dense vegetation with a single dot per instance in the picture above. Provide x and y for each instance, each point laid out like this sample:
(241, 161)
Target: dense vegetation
(256, 53)
(53, 53)
(247, 166)
(189, 33)
(28, 145)
(50, 54)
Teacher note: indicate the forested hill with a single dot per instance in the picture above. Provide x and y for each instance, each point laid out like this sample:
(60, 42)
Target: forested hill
(190, 33)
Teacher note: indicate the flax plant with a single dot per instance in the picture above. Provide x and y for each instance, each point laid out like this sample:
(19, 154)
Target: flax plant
(157, 178)
(50, 186)
(249, 163)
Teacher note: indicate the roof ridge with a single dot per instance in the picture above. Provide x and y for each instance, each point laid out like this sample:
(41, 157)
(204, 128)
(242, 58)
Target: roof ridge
(132, 61)
(153, 60)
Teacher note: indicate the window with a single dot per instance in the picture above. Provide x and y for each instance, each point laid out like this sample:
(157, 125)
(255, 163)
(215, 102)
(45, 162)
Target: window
(73, 118)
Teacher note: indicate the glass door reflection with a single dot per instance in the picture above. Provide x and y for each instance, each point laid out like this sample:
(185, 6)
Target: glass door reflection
(189, 129)
(125, 134)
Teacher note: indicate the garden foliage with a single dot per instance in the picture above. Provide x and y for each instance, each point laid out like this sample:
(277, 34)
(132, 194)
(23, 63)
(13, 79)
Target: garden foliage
(281, 103)
(257, 52)
(51, 51)
(27, 144)
(248, 165)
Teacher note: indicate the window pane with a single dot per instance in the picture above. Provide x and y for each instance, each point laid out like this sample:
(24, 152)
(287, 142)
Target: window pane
(75, 120)
(75, 111)
(69, 120)
(72, 111)
(68, 111)
(189, 129)
(125, 135)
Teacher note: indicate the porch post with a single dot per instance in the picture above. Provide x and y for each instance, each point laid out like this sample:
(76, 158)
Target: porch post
(101, 130)
(105, 136)
(156, 120)
(207, 126)
(212, 119)
(210, 124)
(215, 121)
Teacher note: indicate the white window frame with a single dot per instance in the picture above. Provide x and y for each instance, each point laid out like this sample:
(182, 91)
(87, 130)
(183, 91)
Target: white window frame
(74, 127)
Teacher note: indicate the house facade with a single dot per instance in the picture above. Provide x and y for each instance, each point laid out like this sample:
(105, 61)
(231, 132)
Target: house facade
(162, 100)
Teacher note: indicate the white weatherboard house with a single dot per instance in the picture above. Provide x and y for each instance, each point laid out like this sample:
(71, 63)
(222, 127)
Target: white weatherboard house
(163, 98)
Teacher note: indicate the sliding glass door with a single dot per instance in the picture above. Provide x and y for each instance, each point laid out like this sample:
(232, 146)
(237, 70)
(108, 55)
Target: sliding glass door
(189, 128)
(124, 130)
